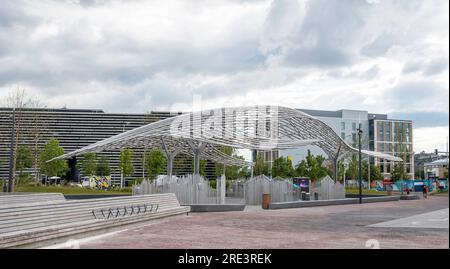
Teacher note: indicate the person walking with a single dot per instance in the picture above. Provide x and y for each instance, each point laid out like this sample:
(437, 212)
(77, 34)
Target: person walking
(425, 191)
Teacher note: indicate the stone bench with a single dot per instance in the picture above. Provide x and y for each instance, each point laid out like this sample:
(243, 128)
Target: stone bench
(7, 199)
(31, 223)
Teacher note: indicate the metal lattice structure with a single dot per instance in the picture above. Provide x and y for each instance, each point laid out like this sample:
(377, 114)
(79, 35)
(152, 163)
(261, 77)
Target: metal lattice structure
(200, 134)
(253, 127)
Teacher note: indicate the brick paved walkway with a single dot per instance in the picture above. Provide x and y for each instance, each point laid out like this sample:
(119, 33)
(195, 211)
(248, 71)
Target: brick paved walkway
(342, 226)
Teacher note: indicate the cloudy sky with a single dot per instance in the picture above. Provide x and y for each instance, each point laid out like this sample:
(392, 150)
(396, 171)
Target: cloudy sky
(135, 56)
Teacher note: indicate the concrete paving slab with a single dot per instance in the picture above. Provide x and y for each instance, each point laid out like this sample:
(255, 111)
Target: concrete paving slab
(437, 219)
(337, 226)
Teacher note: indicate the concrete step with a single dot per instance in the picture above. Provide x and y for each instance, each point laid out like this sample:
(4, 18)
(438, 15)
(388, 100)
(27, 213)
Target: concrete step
(21, 224)
(98, 203)
(41, 211)
(19, 238)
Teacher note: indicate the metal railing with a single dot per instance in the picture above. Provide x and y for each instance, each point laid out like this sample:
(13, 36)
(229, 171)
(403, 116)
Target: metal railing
(124, 211)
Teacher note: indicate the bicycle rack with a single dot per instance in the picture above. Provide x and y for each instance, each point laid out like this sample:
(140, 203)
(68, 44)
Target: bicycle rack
(124, 211)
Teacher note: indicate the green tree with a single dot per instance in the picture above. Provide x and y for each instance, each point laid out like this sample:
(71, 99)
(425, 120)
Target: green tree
(231, 172)
(282, 167)
(365, 169)
(126, 162)
(341, 170)
(24, 158)
(312, 167)
(55, 168)
(260, 166)
(89, 164)
(375, 173)
(352, 171)
(155, 162)
(103, 169)
(399, 172)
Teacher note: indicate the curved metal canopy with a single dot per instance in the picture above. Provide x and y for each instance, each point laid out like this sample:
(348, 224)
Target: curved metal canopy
(248, 127)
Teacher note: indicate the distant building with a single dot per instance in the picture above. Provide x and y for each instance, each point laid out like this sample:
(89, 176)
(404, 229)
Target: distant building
(76, 128)
(419, 162)
(436, 169)
(380, 134)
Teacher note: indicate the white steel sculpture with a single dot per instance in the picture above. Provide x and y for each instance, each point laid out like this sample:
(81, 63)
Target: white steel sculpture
(250, 127)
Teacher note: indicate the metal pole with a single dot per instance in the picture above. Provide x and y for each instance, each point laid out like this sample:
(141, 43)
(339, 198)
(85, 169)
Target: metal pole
(368, 171)
(10, 187)
(359, 164)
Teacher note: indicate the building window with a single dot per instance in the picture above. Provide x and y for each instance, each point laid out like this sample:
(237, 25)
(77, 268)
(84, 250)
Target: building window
(343, 136)
(388, 132)
(353, 126)
(354, 138)
(407, 133)
(342, 126)
(380, 128)
(400, 132)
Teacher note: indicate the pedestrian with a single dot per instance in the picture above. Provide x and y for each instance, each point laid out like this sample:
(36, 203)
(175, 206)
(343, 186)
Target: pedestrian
(425, 191)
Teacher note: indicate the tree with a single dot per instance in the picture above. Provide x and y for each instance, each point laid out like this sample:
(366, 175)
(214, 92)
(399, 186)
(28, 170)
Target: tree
(375, 173)
(312, 167)
(260, 167)
(89, 164)
(398, 172)
(231, 172)
(103, 169)
(38, 131)
(282, 167)
(154, 163)
(16, 100)
(50, 151)
(341, 170)
(126, 164)
(365, 170)
(353, 167)
(24, 160)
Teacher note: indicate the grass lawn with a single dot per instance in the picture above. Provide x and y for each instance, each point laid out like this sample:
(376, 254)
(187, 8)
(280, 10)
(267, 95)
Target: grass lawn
(364, 191)
(68, 190)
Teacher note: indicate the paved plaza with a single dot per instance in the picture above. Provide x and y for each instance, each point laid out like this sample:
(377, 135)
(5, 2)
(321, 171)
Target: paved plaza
(402, 224)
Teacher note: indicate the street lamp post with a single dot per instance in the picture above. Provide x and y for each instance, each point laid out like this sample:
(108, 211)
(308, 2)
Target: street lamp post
(359, 163)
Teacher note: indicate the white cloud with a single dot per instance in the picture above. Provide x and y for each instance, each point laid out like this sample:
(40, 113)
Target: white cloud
(381, 56)
(430, 138)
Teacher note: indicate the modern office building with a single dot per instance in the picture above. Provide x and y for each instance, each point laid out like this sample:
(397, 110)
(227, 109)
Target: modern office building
(76, 128)
(380, 134)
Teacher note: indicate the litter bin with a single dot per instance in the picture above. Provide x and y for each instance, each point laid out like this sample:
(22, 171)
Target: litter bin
(316, 196)
(266, 200)
(307, 196)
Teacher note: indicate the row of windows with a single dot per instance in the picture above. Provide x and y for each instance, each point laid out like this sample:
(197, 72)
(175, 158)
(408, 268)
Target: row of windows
(354, 126)
(396, 134)
(394, 147)
(387, 167)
